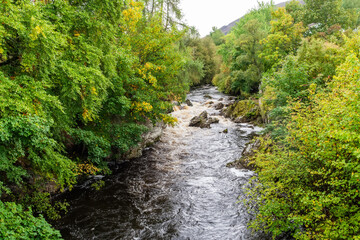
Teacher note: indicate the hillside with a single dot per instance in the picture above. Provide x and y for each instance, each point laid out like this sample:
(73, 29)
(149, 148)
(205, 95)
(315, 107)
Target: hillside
(226, 29)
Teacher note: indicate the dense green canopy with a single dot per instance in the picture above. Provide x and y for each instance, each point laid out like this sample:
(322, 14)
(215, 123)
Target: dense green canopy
(305, 62)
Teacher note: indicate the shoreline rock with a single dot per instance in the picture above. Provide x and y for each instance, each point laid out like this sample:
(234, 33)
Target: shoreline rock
(249, 151)
(245, 111)
(148, 138)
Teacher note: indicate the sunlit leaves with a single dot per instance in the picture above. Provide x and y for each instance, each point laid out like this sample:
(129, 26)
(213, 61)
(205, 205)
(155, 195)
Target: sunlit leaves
(78, 81)
(314, 174)
(284, 39)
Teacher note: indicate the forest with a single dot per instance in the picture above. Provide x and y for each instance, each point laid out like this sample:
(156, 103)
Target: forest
(301, 65)
(80, 81)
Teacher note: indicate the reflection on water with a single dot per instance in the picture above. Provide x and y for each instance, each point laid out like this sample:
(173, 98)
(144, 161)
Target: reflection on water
(180, 189)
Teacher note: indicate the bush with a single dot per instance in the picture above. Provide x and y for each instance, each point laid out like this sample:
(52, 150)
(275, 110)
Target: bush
(309, 184)
(17, 223)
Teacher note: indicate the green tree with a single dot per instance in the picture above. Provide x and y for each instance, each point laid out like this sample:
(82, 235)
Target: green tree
(217, 36)
(169, 11)
(16, 223)
(241, 50)
(296, 10)
(79, 80)
(309, 185)
(284, 38)
(204, 50)
(321, 15)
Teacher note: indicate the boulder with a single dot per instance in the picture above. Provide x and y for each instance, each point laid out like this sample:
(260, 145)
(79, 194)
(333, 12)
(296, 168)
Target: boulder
(148, 138)
(202, 121)
(245, 111)
(204, 115)
(175, 103)
(188, 102)
(245, 162)
(213, 120)
(240, 120)
(219, 106)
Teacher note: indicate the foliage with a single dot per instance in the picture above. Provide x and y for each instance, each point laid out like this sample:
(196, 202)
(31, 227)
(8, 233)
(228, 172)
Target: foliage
(79, 79)
(315, 62)
(204, 51)
(308, 164)
(312, 180)
(284, 38)
(296, 10)
(16, 223)
(324, 14)
(169, 11)
(241, 51)
(217, 36)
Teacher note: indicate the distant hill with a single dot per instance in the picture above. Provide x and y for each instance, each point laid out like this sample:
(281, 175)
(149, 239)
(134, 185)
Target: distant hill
(226, 29)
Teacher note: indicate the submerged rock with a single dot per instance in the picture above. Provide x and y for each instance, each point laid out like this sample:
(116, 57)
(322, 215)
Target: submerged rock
(207, 96)
(240, 120)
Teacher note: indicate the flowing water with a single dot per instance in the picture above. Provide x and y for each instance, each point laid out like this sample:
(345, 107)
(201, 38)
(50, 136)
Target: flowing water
(180, 189)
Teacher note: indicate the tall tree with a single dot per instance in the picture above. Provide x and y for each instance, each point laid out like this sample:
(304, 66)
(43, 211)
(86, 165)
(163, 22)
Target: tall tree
(284, 38)
(169, 11)
(217, 36)
(322, 14)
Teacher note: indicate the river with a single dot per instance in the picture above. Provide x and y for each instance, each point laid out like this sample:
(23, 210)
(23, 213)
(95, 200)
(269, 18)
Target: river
(179, 189)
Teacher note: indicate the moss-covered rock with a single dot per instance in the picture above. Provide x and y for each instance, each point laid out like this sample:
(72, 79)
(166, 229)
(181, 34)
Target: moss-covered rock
(258, 143)
(245, 161)
(245, 111)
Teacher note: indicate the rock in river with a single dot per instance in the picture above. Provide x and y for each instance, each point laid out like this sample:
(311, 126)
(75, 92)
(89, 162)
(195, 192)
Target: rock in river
(189, 103)
(202, 121)
(219, 106)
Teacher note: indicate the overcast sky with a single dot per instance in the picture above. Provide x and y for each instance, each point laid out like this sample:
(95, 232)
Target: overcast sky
(204, 14)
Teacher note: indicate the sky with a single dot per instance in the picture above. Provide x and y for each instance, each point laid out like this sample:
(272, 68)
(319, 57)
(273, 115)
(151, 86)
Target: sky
(205, 14)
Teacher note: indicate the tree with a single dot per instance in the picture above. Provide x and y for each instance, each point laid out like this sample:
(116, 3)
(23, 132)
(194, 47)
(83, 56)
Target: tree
(284, 38)
(241, 50)
(308, 185)
(296, 10)
(321, 15)
(79, 80)
(169, 11)
(217, 36)
(204, 50)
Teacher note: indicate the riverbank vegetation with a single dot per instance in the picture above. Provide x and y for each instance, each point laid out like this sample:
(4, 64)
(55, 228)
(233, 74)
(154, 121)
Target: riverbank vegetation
(79, 81)
(302, 63)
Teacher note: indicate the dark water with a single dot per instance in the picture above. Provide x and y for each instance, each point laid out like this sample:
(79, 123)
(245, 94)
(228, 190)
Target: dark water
(180, 189)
